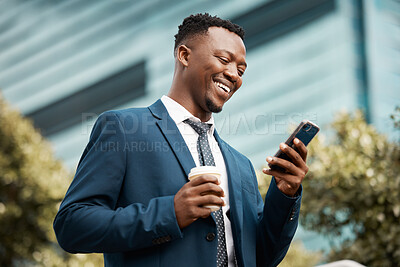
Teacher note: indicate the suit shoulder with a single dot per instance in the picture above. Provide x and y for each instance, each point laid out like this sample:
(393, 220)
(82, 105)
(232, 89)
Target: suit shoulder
(123, 113)
(131, 120)
(126, 117)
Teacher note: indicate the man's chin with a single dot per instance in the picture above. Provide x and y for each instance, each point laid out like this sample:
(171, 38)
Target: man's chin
(213, 107)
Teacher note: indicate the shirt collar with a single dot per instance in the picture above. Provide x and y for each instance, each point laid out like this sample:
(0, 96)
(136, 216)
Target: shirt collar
(179, 113)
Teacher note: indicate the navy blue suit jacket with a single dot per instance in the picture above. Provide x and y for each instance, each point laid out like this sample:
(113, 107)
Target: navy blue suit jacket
(121, 200)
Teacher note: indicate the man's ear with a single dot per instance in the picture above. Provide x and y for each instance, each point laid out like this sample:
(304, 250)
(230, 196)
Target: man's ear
(183, 54)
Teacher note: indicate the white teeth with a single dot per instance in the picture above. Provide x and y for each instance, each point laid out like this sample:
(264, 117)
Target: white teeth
(223, 87)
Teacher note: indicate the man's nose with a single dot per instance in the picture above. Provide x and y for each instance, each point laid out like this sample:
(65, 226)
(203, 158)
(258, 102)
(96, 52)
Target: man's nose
(231, 73)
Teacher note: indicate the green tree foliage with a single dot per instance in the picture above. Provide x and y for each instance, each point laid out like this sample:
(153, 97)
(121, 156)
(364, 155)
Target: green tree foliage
(32, 184)
(352, 192)
(396, 117)
(298, 256)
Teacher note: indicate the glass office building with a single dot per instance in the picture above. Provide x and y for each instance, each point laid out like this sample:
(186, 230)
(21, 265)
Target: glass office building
(62, 63)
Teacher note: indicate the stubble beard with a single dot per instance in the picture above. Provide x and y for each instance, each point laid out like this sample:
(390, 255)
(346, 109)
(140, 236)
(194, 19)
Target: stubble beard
(212, 107)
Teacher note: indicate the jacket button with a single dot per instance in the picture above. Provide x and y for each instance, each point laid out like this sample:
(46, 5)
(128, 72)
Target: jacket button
(167, 238)
(210, 237)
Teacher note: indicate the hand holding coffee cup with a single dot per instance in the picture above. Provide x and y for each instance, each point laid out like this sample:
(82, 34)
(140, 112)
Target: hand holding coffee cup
(202, 190)
(206, 170)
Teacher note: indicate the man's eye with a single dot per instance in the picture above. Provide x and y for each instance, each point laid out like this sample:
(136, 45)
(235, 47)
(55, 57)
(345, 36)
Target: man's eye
(240, 72)
(225, 60)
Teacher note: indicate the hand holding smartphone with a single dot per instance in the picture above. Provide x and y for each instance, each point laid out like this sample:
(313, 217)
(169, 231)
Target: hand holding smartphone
(305, 132)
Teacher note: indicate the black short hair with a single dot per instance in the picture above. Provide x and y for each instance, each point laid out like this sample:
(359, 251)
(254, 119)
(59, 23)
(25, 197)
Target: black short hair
(199, 24)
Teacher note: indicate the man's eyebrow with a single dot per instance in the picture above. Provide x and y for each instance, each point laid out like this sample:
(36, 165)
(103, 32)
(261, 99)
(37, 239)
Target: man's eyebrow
(232, 55)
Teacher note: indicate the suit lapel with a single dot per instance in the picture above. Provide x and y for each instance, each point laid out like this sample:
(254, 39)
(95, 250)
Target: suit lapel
(234, 185)
(171, 133)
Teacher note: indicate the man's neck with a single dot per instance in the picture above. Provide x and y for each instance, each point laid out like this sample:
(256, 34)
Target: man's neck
(186, 103)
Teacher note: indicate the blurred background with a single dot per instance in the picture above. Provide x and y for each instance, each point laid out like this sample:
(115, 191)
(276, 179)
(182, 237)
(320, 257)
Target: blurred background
(62, 63)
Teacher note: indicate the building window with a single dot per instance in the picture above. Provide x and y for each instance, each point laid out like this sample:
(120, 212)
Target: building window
(106, 94)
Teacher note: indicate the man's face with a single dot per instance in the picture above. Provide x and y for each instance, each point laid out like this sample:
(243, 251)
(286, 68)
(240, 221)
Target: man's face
(215, 67)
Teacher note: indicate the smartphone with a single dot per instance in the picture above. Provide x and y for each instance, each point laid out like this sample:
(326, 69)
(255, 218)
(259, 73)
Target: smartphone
(305, 132)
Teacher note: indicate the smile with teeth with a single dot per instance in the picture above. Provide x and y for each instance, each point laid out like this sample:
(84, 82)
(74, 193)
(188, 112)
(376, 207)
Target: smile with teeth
(223, 87)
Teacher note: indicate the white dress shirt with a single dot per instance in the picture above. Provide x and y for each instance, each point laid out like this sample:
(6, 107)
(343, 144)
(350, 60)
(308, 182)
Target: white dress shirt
(178, 113)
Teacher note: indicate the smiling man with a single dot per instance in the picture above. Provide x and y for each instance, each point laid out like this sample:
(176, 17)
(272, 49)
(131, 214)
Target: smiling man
(131, 198)
(209, 65)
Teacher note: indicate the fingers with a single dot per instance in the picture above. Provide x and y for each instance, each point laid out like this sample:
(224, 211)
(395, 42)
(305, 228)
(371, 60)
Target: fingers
(288, 166)
(206, 194)
(289, 178)
(194, 213)
(287, 183)
(200, 201)
(190, 199)
(291, 174)
(189, 208)
(204, 179)
(295, 156)
(301, 148)
(207, 184)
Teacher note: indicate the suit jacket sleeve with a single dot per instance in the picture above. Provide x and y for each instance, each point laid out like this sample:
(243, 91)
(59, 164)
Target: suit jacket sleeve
(278, 217)
(88, 220)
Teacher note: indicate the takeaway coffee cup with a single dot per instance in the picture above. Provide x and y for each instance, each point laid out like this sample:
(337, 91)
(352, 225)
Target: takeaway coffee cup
(210, 170)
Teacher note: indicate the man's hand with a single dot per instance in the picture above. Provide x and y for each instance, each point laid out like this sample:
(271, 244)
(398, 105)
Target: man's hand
(191, 198)
(290, 180)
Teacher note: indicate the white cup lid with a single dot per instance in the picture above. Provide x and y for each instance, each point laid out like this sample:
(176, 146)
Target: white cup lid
(205, 170)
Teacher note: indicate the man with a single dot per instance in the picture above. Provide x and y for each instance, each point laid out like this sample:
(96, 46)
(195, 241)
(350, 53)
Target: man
(131, 198)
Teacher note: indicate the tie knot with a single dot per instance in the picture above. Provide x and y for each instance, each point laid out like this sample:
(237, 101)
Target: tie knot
(200, 127)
